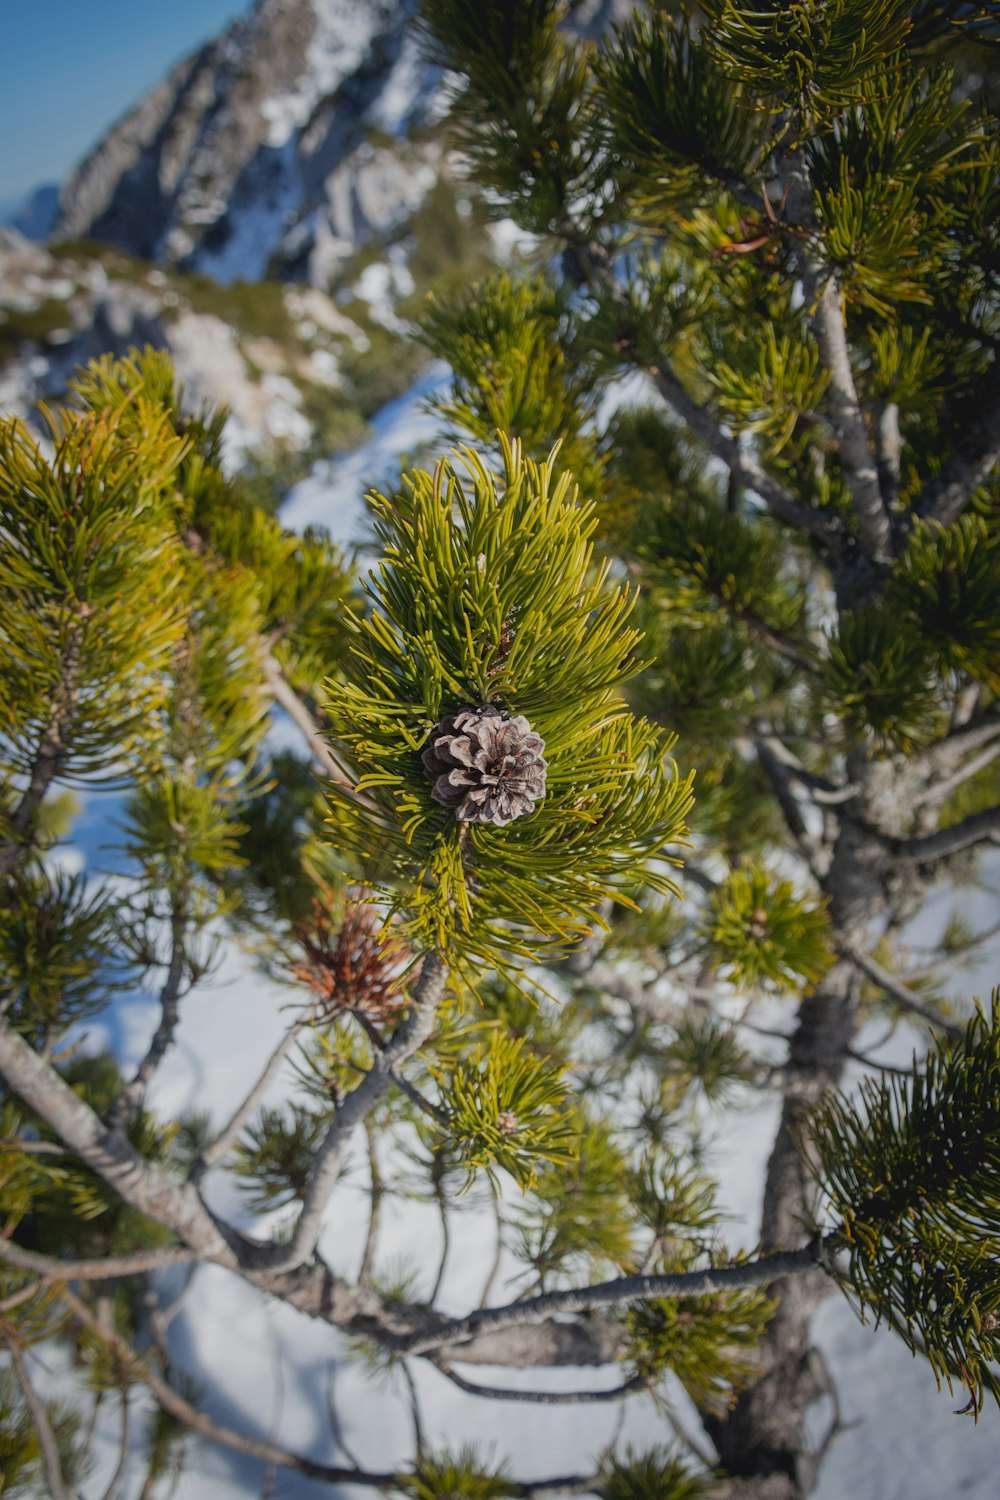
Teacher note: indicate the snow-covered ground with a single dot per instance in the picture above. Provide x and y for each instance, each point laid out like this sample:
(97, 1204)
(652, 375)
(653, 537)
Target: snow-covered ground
(269, 1371)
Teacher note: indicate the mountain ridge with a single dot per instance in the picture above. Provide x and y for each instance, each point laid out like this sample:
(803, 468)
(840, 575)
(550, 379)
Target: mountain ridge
(255, 157)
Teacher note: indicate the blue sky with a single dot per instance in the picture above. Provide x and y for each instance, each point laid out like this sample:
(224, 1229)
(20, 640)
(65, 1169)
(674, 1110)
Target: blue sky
(70, 68)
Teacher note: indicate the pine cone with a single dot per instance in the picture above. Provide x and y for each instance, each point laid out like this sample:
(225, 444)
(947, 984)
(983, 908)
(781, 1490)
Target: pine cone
(486, 764)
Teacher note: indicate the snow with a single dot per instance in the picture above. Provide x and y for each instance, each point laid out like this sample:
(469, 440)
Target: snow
(333, 494)
(400, 98)
(212, 369)
(343, 35)
(381, 284)
(255, 227)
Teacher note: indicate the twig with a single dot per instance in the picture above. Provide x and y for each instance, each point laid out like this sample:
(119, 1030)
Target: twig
(897, 990)
(370, 1092)
(302, 718)
(540, 1398)
(377, 1189)
(743, 467)
(977, 828)
(623, 1289)
(402, 1083)
(114, 1483)
(494, 1270)
(269, 1452)
(847, 417)
(943, 499)
(170, 994)
(936, 791)
(411, 1388)
(112, 1266)
(40, 1419)
(217, 1149)
(22, 1295)
(442, 1207)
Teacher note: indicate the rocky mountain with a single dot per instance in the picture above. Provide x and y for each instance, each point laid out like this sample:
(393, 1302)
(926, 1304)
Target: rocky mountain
(272, 213)
(278, 148)
(35, 214)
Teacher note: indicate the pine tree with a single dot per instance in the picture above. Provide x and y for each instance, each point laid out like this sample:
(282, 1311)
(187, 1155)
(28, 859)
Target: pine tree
(770, 583)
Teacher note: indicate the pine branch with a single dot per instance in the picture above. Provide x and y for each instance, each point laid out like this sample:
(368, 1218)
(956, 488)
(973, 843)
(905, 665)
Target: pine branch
(411, 1035)
(977, 828)
(143, 1184)
(49, 757)
(848, 420)
(623, 1289)
(40, 1419)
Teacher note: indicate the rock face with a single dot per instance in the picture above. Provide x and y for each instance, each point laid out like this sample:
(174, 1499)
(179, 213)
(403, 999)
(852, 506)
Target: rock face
(265, 152)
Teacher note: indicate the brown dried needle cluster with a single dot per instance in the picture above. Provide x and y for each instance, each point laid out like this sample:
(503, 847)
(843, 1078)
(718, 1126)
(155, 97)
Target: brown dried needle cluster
(486, 764)
(352, 969)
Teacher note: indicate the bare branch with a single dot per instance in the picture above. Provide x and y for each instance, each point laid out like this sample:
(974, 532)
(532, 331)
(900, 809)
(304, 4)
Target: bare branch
(114, 1483)
(942, 755)
(494, 1270)
(540, 1398)
(40, 1419)
(820, 788)
(107, 1269)
(847, 417)
(623, 1289)
(897, 990)
(175, 1404)
(937, 791)
(269, 1452)
(595, 268)
(22, 1295)
(780, 778)
(442, 1207)
(302, 718)
(978, 828)
(133, 1094)
(217, 1149)
(370, 1092)
(376, 1192)
(745, 469)
(143, 1184)
(888, 448)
